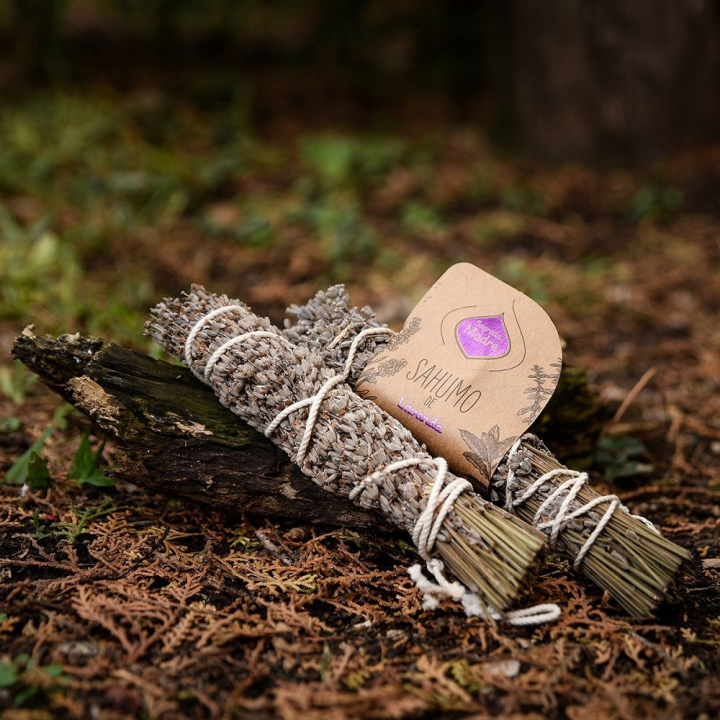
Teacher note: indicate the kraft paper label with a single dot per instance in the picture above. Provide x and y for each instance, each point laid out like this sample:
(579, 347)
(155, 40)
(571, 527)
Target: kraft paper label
(473, 367)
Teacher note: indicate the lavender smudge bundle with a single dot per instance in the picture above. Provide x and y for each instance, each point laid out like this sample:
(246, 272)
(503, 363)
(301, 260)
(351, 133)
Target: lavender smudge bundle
(348, 445)
(619, 552)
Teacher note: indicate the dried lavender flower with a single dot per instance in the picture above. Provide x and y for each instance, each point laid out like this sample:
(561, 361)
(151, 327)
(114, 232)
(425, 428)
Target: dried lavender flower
(650, 563)
(327, 325)
(492, 552)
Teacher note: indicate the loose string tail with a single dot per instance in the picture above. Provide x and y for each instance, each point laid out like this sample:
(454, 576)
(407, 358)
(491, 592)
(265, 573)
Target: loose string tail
(440, 503)
(621, 553)
(440, 500)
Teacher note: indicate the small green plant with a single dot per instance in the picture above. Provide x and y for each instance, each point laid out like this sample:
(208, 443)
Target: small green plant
(45, 527)
(40, 529)
(38, 474)
(10, 424)
(656, 202)
(73, 530)
(516, 272)
(255, 230)
(252, 228)
(338, 160)
(15, 381)
(419, 217)
(26, 680)
(345, 237)
(406, 548)
(37, 270)
(85, 467)
(622, 457)
(246, 543)
(18, 472)
(8, 674)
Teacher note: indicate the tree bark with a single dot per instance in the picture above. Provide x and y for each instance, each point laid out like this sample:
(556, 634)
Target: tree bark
(601, 81)
(177, 439)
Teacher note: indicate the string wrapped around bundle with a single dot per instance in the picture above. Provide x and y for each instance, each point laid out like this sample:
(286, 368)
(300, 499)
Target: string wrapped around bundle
(348, 445)
(620, 552)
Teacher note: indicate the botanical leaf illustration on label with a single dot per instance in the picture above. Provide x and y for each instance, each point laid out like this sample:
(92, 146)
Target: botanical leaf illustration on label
(387, 368)
(468, 347)
(487, 450)
(411, 327)
(538, 392)
(483, 337)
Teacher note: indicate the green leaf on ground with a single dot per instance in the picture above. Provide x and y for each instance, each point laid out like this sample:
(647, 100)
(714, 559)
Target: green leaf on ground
(85, 465)
(38, 475)
(71, 531)
(8, 675)
(17, 474)
(15, 381)
(622, 457)
(9, 424)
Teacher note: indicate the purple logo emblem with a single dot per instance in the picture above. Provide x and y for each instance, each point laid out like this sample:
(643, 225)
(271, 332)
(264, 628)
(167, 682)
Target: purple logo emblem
(483, 337)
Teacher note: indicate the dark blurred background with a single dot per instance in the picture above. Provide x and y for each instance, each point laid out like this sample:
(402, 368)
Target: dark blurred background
(568, 79)
(266, 150)
(271, 148)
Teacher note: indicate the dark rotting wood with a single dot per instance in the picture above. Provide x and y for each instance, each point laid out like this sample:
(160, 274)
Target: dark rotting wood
(176, 438)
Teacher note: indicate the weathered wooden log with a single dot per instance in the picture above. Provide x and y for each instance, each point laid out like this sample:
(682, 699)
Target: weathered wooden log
(177, 439)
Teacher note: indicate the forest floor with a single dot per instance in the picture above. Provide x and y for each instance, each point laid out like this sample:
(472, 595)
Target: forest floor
(115, 603)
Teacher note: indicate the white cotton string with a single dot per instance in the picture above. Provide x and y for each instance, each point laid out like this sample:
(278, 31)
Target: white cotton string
(234, 341)
(198, 326)
(559, 519)
(472, 604)
(340, 336)
(368, 332)
(426, 528)
(316, 400)
(440, 501)
(357, 341)
(425, 532)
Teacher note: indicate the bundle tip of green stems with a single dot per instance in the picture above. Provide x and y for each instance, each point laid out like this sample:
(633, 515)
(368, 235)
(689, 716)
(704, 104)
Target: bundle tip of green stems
(503, 565)
(636, 565)
(492, 552)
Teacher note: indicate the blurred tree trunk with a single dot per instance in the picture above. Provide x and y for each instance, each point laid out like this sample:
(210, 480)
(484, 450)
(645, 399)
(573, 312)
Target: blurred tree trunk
(580, 79)
(39, 49)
